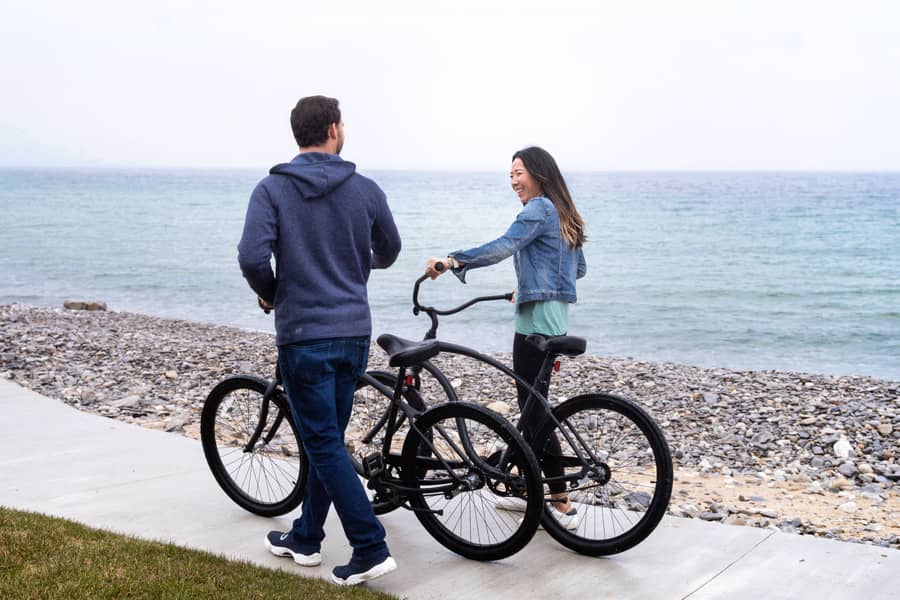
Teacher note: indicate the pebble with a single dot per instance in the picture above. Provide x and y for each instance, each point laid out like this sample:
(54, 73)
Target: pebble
(872, 489)
(815, 488)
(842, 448)
(175, 424)
(712, 516)
(126, 403)
(847, 470)
(743, 498)
(499, 407)
(87, 397)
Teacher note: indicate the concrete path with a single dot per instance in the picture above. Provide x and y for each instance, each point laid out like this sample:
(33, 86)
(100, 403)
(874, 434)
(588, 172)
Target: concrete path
(57, 460)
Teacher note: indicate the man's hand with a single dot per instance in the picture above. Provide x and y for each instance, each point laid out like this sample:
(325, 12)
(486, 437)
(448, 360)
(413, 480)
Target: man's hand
(430, 269)
(267, 308)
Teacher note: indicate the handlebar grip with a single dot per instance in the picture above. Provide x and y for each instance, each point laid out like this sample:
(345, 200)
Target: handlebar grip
(439, 266)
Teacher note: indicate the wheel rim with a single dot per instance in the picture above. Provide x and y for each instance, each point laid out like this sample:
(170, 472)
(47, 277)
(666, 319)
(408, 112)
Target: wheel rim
(617, 496)
(266, 474)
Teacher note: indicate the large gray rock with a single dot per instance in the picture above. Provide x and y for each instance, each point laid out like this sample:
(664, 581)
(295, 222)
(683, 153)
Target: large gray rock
(84, 305)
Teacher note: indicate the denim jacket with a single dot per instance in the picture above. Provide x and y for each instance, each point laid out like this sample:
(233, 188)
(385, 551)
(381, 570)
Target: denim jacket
(546, 266)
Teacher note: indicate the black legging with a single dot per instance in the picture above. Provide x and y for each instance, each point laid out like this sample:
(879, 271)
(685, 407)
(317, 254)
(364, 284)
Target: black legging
(527, 361)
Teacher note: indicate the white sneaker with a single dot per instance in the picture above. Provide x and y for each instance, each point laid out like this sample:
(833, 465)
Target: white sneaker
(512, 503)
(280, 544)
(355, 574)
(568, 520)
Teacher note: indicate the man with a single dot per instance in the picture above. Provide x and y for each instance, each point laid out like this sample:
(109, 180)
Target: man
(327, 226)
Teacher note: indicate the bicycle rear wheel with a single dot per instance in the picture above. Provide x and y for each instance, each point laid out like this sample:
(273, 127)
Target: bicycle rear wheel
(462, 459)
(620, 494)
(267, 478)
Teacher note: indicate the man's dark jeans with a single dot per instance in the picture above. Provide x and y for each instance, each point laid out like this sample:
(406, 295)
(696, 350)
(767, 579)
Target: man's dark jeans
(320, 379)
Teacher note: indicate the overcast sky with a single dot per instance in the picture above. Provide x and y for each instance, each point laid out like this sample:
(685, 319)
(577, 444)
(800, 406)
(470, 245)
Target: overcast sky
(602, 85)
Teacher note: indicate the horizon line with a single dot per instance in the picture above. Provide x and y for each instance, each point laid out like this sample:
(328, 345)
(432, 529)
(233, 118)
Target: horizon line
(445, 170)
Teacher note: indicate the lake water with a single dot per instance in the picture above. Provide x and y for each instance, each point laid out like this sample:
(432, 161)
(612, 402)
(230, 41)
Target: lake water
(787, 271)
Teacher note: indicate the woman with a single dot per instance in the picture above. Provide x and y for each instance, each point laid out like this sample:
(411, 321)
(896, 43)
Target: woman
(545, 242)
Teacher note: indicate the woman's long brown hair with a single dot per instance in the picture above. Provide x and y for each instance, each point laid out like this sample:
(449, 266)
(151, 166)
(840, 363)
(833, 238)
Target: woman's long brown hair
(543, 168)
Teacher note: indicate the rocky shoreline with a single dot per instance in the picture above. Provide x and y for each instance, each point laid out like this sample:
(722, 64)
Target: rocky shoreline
(810, 454)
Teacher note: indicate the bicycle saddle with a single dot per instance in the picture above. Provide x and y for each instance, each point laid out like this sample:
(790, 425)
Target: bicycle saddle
(567, 345)
(406, 353)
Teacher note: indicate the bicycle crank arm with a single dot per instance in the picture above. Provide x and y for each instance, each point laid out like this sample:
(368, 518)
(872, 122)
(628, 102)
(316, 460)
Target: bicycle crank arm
(439, 513)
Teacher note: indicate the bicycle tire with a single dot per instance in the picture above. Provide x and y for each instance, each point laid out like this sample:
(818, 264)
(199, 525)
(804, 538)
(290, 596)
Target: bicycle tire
(470, 523)
(620, 512)
(270, 479)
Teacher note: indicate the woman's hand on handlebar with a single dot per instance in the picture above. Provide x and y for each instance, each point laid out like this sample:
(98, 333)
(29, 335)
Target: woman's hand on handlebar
(436, 267)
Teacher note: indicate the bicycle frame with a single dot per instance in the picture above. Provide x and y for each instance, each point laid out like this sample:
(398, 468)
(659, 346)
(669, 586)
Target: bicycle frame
(271, 389)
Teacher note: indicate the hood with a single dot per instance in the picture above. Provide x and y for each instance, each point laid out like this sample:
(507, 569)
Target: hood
(316, 174)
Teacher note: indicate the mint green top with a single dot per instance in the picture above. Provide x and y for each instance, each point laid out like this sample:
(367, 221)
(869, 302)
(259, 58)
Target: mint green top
(548, 317)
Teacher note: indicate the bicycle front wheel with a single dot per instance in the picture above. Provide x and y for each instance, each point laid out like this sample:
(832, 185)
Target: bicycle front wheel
(268, 476)
(618, 472)
(462, 460)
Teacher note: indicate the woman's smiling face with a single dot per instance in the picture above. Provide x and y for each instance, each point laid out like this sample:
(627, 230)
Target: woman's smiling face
(523, 184)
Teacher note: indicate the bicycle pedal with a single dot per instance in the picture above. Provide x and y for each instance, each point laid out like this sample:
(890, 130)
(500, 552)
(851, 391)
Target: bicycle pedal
(373, 465)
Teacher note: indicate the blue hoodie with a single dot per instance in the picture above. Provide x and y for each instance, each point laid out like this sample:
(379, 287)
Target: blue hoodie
(327, 226)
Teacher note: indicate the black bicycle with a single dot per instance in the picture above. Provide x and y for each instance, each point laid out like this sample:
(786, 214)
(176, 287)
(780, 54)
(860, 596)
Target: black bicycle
(450, 464)
(615, 463)
(605, 451)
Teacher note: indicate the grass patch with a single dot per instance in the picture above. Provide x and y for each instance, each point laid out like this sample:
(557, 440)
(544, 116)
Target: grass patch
(47, 557)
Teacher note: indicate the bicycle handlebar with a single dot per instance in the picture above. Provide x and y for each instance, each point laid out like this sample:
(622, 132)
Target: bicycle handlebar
(439, 266)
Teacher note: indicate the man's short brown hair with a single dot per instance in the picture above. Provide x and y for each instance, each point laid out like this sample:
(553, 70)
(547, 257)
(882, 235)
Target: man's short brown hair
(311, 118)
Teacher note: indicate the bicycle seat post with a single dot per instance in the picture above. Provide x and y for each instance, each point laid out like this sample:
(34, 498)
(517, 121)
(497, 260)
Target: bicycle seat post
(542, 381)
(536, 390)
(394, 410)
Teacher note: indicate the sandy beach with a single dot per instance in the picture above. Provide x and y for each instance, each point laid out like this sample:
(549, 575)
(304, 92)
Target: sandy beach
(810, 454)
